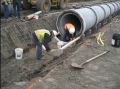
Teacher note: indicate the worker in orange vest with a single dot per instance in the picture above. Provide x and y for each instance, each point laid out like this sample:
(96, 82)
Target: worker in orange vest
(42, 37)
(69, 32)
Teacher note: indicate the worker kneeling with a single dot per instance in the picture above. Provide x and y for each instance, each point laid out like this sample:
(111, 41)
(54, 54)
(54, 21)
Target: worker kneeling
(42, 37)
(69, 32)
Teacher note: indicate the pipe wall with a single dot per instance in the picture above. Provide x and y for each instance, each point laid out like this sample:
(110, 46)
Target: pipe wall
(87, 17)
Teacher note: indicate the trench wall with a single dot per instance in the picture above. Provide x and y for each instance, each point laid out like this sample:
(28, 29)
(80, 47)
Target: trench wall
(19, 34)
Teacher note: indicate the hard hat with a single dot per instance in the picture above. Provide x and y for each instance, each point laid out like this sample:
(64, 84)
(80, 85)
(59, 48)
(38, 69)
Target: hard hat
(55, 32)
(72, 30)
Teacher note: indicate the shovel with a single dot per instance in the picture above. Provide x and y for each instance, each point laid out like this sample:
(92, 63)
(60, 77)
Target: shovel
(75, 65)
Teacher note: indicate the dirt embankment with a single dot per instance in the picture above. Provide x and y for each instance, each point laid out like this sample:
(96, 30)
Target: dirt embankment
(19, 34)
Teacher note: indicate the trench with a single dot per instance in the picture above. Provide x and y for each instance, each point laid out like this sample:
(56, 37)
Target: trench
(19, 35)
(46, 68)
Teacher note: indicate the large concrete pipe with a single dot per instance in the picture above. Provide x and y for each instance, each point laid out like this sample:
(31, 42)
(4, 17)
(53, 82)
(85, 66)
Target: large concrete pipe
(87, 17)
(107, 10)
(118, 5)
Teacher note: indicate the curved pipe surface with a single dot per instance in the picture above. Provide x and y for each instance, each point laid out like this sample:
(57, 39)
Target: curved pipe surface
(87, 17)
(107, 10)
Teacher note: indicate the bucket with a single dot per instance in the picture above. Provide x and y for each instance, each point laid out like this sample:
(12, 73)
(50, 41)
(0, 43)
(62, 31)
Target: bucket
(116, 40)
(18, 53)
(60, 44)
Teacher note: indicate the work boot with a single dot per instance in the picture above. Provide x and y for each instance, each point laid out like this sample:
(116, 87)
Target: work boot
(40, 57)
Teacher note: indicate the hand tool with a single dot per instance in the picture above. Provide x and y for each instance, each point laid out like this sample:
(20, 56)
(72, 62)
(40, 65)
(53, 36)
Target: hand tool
(75, 65)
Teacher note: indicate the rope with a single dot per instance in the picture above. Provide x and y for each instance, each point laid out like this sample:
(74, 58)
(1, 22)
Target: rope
(100, 40)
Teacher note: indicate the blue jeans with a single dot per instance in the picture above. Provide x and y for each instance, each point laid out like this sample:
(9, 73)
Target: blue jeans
(16, 7)
(38, 46)
(6, 11)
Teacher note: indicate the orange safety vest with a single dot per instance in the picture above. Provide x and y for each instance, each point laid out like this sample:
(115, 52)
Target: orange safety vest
(68, 26)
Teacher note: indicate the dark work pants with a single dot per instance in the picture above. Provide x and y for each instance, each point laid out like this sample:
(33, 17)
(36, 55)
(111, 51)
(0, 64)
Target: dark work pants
(38, 46)
(16, 7)
(66, 36)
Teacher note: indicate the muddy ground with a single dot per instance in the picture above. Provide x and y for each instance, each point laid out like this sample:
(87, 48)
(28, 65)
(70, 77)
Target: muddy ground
(102, 73)
(18, 74)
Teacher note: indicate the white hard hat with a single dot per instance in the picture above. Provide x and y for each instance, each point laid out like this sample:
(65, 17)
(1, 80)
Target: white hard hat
(55, 32)
(72, 30)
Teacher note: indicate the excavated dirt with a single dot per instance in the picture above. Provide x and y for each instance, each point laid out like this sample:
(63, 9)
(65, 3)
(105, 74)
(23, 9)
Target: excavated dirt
(16, 73)
(103, 73)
